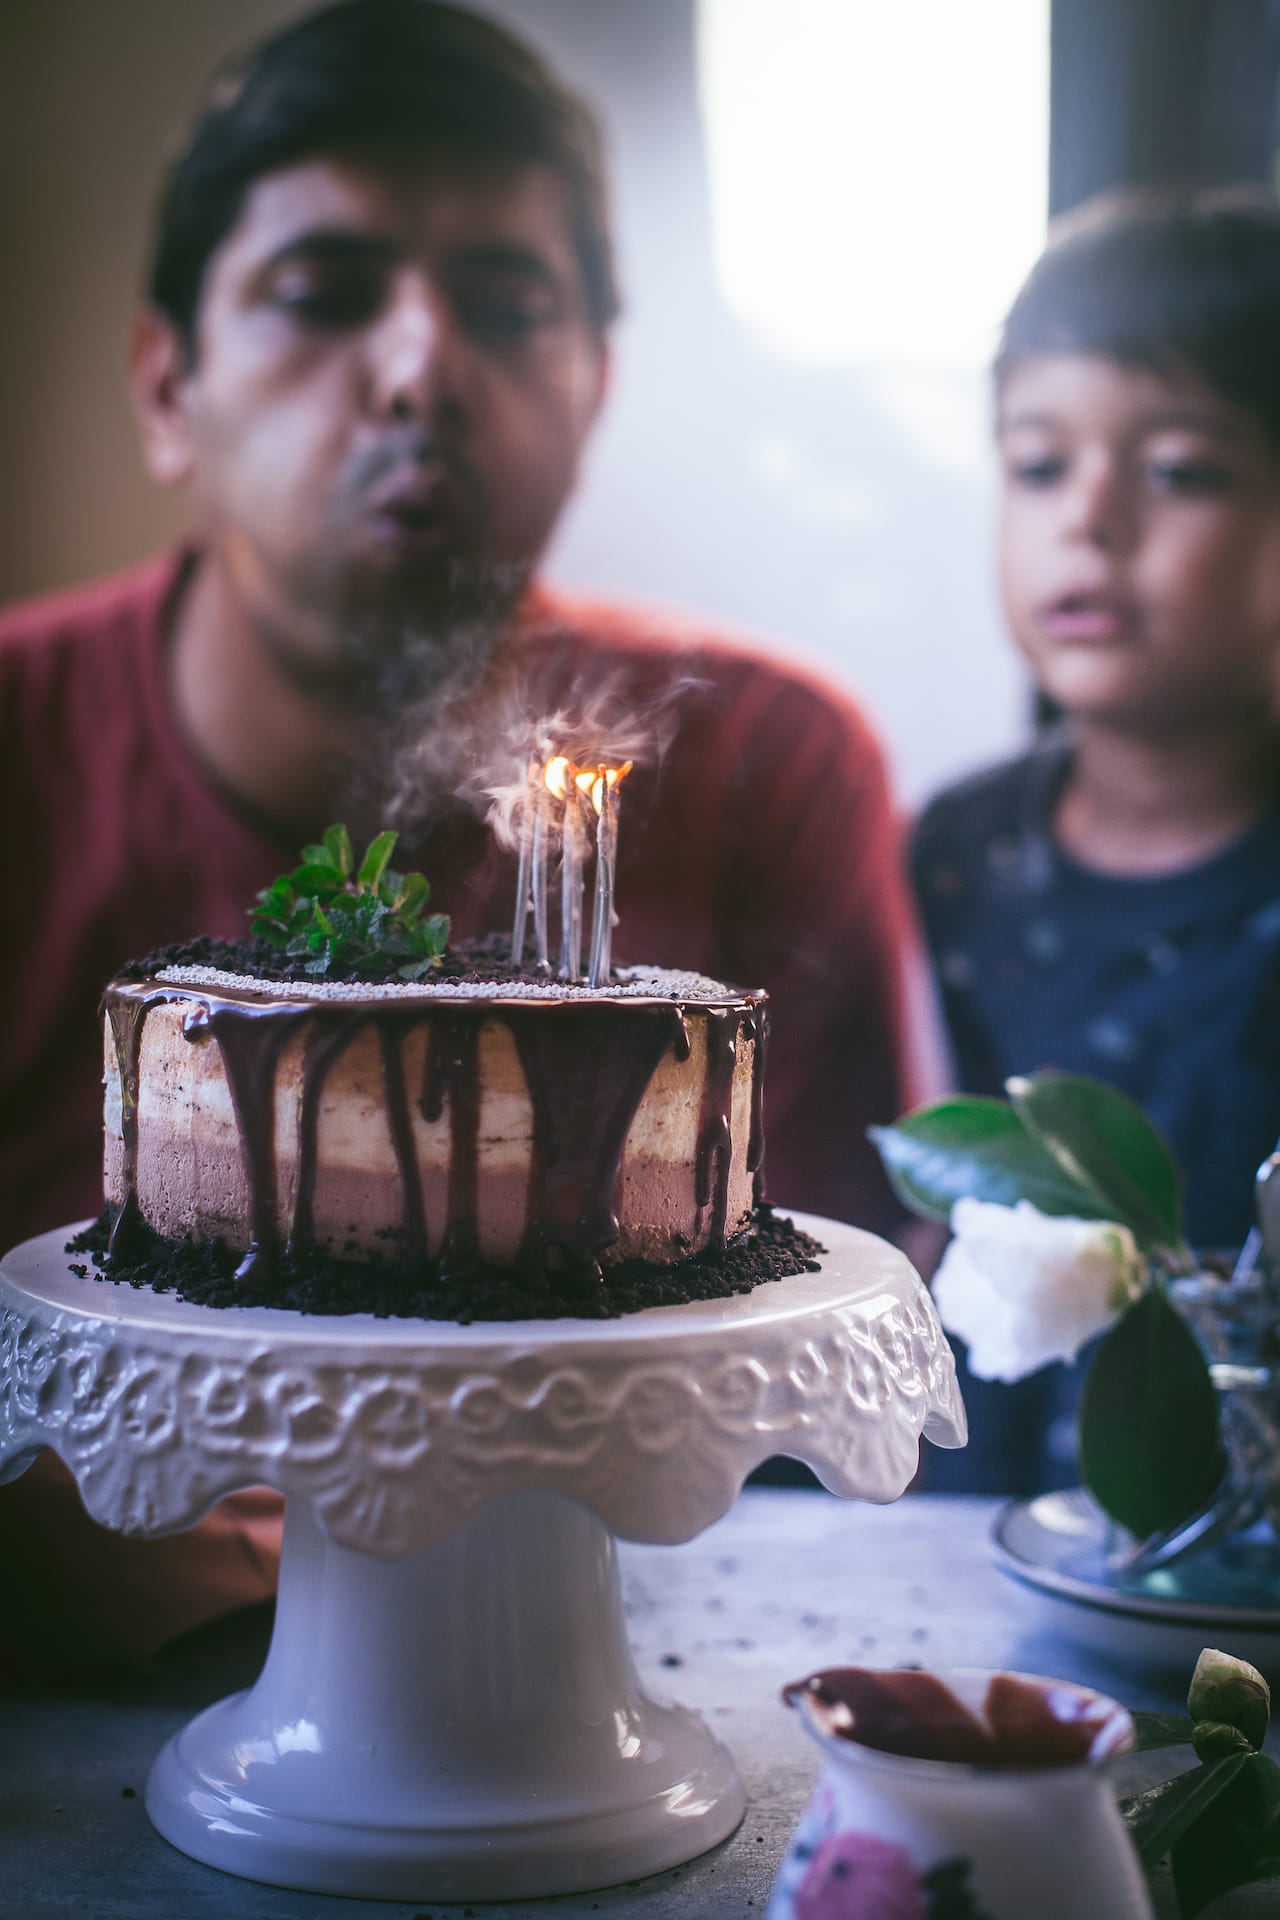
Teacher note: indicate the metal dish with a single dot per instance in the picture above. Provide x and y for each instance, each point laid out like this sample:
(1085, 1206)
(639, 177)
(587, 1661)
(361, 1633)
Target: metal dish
(1228, 1596)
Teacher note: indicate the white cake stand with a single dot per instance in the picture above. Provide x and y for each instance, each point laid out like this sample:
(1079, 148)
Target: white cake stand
(449, 1708)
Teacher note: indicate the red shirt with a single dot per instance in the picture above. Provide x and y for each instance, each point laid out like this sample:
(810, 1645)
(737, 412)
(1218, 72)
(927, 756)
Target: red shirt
(763, 851)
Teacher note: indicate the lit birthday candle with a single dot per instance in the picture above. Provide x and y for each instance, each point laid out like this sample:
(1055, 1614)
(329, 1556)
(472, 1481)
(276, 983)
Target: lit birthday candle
(604, 798)
(521, 920)
(562, 780)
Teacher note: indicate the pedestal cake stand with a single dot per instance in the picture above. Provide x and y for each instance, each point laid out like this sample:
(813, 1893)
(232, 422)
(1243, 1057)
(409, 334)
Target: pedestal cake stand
(449, 1708)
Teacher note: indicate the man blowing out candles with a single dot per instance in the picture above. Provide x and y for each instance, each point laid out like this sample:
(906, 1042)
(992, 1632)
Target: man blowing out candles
(374, 342)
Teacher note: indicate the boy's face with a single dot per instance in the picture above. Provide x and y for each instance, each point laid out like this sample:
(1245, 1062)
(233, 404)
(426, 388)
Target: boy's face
(1139, 543)
(393, 380)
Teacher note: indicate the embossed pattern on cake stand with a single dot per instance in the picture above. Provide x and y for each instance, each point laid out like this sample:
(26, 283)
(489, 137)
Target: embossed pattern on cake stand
(449, 1708)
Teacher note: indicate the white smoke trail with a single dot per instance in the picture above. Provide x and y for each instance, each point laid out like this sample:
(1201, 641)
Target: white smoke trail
(474, 737)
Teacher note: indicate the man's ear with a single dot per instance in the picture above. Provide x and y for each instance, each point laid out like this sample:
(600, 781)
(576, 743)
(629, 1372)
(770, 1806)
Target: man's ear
(159, 380)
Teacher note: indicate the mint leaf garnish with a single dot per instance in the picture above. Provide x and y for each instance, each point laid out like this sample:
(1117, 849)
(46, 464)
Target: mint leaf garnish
(337, 918)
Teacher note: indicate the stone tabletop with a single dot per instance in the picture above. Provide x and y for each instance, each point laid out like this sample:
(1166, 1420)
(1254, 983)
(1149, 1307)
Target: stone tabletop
(788, 1581)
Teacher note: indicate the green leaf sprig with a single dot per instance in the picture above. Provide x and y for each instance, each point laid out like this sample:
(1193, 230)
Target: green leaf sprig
(1149, 1438)
(339, 918)
(1219, 1824)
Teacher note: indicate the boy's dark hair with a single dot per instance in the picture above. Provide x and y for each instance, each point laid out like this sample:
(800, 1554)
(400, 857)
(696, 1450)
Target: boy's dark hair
(377, 76)
(1176, 280)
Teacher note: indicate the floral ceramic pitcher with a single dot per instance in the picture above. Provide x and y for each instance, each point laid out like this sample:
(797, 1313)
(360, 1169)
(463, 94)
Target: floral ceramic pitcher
(960, 1795)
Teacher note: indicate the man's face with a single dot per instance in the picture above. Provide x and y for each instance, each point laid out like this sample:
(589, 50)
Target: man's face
(393, 378)
(1139, 543)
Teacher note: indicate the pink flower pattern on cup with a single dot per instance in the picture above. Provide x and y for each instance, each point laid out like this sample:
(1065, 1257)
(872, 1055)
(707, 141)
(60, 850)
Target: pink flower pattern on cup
(860, 1874)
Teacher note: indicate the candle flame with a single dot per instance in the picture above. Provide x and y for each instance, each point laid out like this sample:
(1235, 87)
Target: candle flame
(558, 775)
(596, 779)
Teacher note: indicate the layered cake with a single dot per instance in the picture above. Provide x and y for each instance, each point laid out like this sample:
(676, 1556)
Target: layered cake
(522, 1124)
(340, 1114)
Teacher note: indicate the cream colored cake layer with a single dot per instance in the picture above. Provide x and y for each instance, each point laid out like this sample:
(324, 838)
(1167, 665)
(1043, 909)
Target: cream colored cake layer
(192, 1167)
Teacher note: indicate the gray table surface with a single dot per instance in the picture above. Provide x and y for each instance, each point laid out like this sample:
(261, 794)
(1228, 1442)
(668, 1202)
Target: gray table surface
(789, 1581)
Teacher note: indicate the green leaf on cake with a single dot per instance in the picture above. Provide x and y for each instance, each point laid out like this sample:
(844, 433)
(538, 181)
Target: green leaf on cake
(371, 867)
(337, 842)
(342, 919)
(412, 895)
(313, 882)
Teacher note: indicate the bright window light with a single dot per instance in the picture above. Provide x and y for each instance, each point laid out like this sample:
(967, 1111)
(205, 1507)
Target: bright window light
(878, 171)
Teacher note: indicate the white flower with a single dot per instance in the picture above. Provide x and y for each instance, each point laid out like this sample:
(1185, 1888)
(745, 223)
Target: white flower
(1022, 1288)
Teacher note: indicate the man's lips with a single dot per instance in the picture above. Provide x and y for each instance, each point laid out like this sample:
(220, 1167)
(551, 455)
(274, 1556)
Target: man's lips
(1088, 618)
(414, 505)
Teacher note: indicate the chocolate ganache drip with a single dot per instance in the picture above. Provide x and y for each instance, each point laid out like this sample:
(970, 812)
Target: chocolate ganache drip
(755, 1026)
(323, 1049)
(251, 1039)
(391, 1038)
(452, 1073)
(586, 1073)
(715, 1139)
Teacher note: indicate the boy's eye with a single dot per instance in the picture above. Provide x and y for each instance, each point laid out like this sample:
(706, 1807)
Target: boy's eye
(1036, 470)
(1189, 476)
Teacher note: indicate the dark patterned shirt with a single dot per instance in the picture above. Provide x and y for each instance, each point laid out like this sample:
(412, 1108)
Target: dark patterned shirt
(1167, 987)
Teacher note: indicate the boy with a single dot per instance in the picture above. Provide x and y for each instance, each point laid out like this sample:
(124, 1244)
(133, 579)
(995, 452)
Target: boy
(1109, 903)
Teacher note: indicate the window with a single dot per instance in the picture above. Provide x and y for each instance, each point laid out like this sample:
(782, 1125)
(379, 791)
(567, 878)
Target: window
(878, 172)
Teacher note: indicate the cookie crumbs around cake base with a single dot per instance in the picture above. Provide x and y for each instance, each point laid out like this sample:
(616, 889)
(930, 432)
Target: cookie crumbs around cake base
(203, 1272)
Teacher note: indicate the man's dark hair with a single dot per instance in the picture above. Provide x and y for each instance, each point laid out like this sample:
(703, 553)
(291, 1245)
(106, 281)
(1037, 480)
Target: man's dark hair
(1173, 280)
(371, 76)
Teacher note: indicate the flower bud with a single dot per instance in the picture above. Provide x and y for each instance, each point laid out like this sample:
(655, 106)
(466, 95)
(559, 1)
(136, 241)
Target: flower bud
(1227, 1690)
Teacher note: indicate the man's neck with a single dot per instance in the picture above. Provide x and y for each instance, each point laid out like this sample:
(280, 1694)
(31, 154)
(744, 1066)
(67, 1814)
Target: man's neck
(288, 748)
(1150, 804)
(277, 752)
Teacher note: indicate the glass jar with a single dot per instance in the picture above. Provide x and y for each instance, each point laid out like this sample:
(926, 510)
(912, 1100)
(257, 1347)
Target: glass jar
(1227, 1553)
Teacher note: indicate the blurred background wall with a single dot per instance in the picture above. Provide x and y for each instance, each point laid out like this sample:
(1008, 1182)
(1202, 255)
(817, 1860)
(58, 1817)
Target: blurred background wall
(823, 207)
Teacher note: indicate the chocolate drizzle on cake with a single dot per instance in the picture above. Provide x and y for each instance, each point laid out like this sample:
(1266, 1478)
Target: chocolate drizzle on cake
(755, 1027)
(585, 1070)
(586, 1077)
(251, 1039)
(391, 1034)
(323, 1048)
(715, 1134)
(452, 1074)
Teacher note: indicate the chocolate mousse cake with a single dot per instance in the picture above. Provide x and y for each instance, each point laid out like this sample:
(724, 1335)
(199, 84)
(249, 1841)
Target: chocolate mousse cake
(517, 1124)
(427, 1131)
